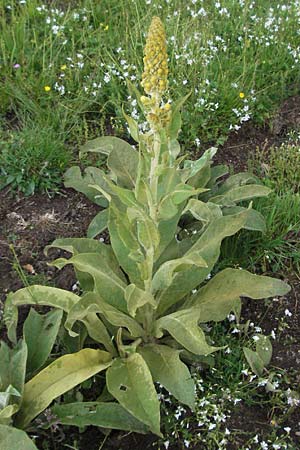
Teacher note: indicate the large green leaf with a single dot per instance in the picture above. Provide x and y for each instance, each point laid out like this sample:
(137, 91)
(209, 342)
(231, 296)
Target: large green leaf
(14, 439)
(183, 327)
(216, 299)
(129, 381)
(35, 295)
(106, 282)
(240, 193)
(203, 211)
(82, 183)
(208, 246)
(59, 377)
(104, 415)
(93, 303)
(104, 145)
(123, 162)
(97, 331)
(86, 245)
(255, 220)
(13, 368)
(167, 369)
(40, 332)
(165, 274)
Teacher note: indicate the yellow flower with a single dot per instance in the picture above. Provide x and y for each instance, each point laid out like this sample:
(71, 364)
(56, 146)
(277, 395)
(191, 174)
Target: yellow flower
(106, 28)
(155, 75)
(242, 95)
(47, 88)
(63, 67)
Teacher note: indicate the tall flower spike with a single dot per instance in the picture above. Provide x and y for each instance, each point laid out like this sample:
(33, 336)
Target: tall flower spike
(155, 75)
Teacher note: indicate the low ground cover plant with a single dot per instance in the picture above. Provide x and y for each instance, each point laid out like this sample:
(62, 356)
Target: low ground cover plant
(144, 298)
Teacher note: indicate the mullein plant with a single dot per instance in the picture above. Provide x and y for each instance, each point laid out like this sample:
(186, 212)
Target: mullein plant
(166, 217)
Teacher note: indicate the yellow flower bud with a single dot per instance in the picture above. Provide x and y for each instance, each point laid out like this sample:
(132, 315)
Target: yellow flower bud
(155, 59)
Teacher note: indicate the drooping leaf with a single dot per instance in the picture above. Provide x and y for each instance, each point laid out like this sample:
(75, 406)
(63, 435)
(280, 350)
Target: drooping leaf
(82, 183)
(193, 167)
(217, 298)
(14, 439)
(87, 245)
(167, 369)
(255, 220)
(97, 331)
(240, 193)
(205, 212)
(183, 327)
(40, 332)
(102, 145)
(13, 369)
(129, 381)
(35, 295)
(59, 377)
(106, 282)
(105, 415)
(93, 303)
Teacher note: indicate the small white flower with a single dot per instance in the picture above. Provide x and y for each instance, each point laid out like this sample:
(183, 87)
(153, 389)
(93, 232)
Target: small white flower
(287, 429)
(264, 445)
(166, 444)
(288, 313)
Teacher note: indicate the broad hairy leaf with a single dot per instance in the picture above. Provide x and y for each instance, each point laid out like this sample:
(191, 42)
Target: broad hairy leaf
(123, 162)
(129, 381)
(40, 331)
(35, 295)
(203, 211)
(86, 245)
(208, 246)
(82, 183)
(100, 414)
(183, 327)
(255, 220)
(240, 193)
(216, 299)
(98, 224)
(167, 369)
(93, 303)
(106, 282)
(165, 274)
(13, 439)
(59, 377)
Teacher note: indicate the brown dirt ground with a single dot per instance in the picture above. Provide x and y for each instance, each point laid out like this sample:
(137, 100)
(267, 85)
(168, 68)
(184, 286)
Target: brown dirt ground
(29, 224)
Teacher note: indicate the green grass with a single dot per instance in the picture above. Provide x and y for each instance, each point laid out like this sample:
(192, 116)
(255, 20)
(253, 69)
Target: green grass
(85, 50)
(278, 249)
